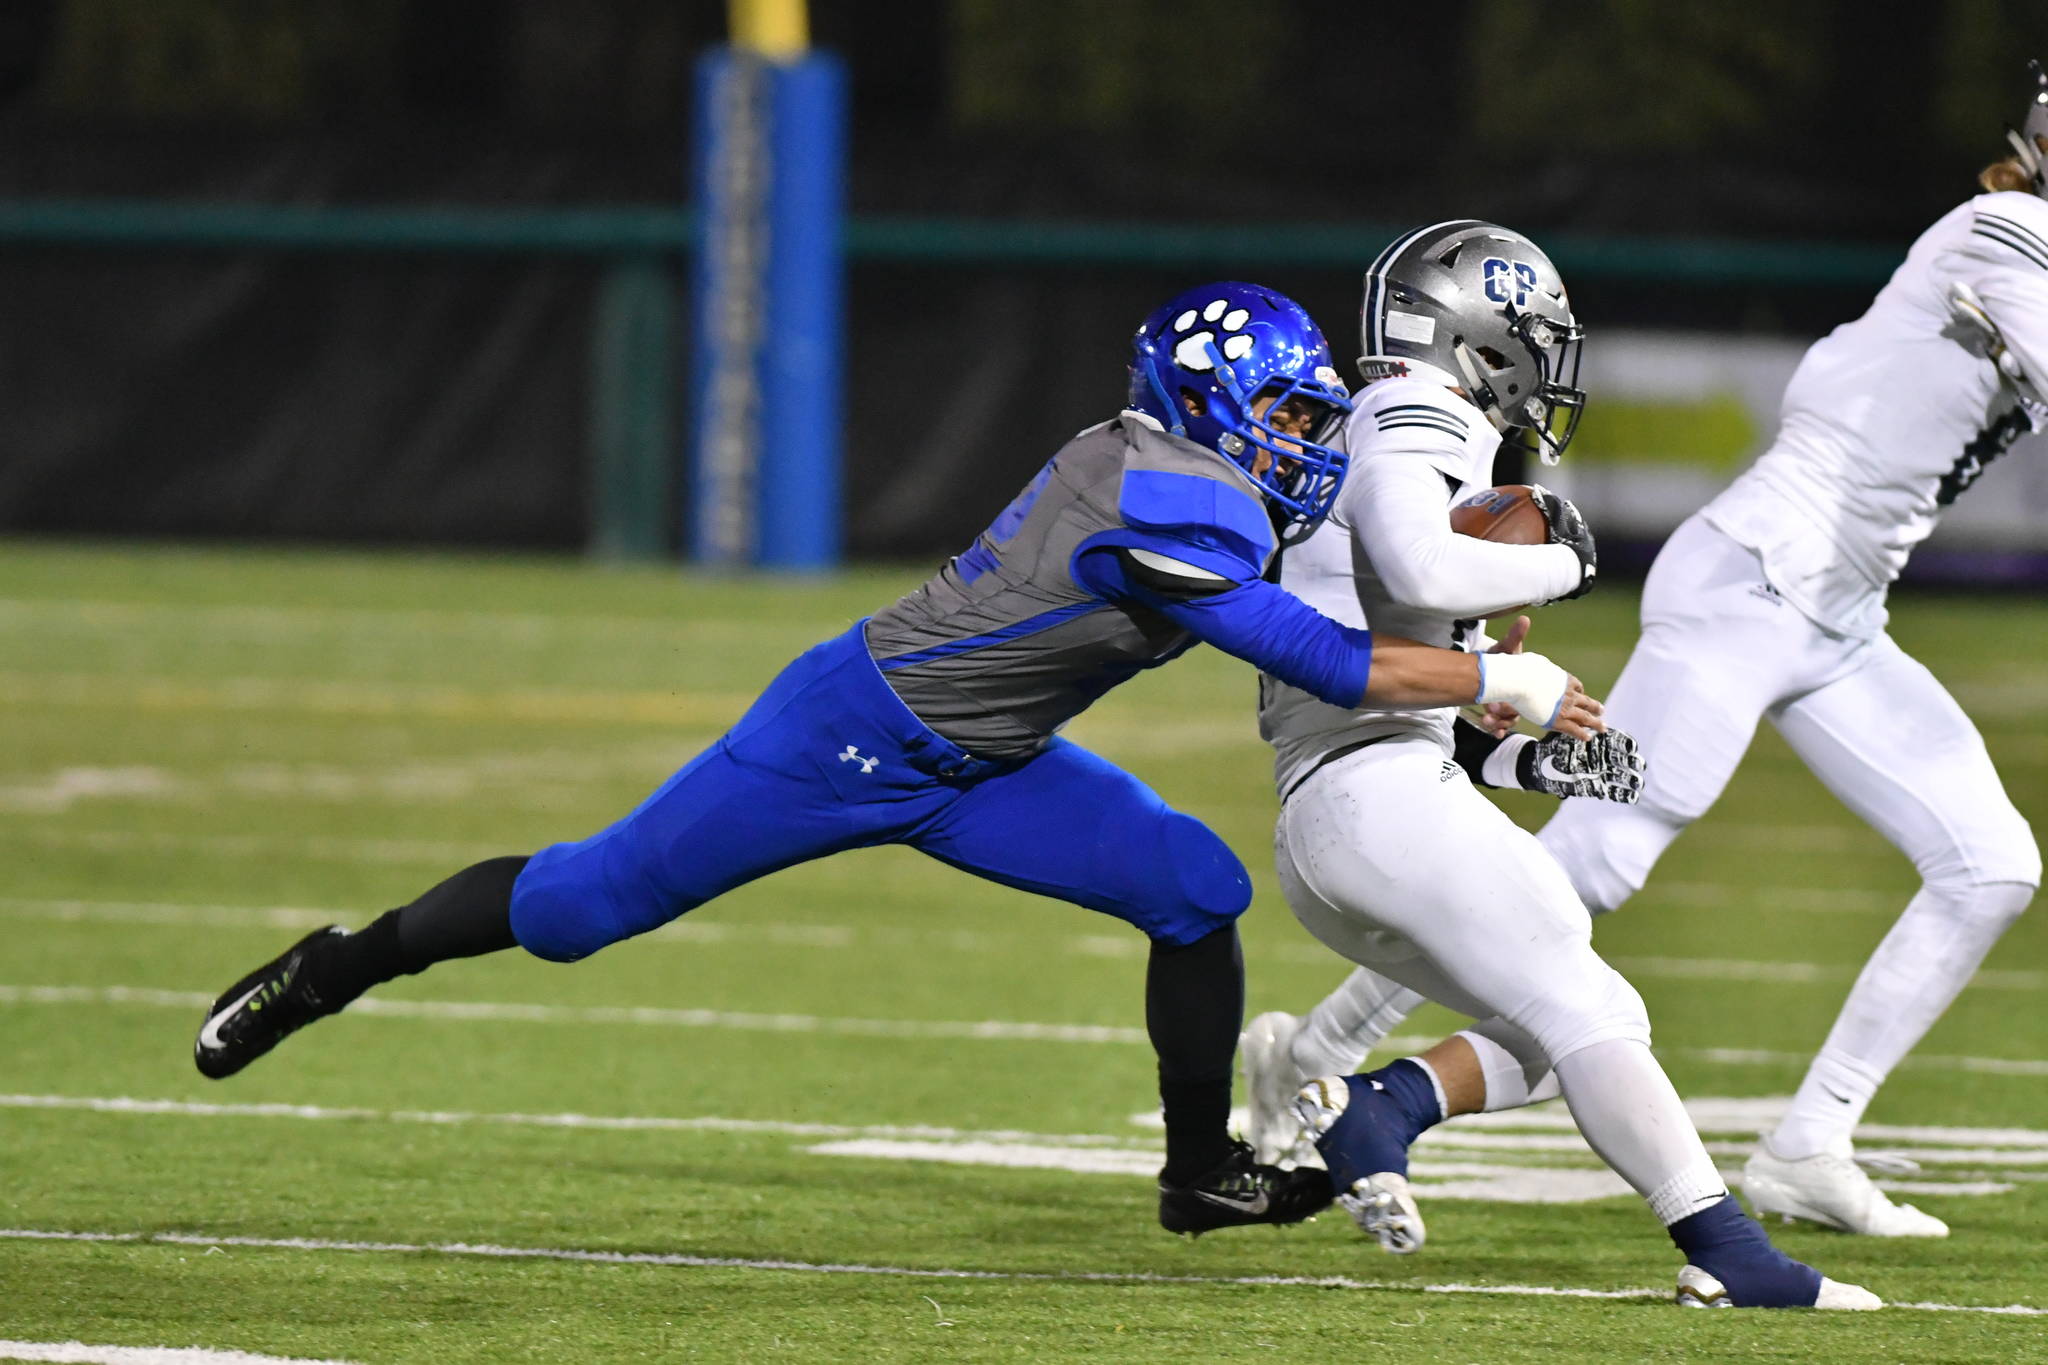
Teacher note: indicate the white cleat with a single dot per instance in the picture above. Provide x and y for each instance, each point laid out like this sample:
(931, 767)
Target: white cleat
(1382, 1204)
(1698, 1289)
(1830, 1189)
(1271, 1079)
(1384, 1209)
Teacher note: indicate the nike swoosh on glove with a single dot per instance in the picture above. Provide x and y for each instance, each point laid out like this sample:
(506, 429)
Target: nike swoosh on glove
(1607, 767)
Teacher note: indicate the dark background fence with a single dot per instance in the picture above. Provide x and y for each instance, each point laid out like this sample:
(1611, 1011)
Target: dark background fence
(337, 353)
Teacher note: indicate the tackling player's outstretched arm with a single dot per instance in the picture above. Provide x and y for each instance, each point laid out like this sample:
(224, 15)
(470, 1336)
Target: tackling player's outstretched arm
(1278, 633)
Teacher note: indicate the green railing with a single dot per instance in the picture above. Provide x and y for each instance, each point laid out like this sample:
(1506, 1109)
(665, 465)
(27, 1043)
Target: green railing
(626, 231)
(635, 338)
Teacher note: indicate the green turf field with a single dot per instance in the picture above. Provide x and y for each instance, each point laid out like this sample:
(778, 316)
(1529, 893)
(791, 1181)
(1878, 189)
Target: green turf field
(681, 1148)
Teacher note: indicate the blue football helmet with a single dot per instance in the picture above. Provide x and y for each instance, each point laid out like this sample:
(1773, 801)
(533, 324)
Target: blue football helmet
(1202, 360)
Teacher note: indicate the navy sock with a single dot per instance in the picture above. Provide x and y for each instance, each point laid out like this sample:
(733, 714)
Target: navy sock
(1414, 1096)
(1732, 1247)
(1389, 1109)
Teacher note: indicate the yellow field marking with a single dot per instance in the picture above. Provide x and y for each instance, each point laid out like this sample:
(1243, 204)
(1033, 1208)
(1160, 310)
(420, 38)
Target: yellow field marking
(100, 691)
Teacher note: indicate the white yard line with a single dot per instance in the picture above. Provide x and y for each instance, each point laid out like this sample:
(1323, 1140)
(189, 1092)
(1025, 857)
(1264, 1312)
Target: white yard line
(694, 710)
(983, 1030)
(85, 1353)
(123, 1104)
(1753, 1056)
(1444, 1155)
(837, 936)
(988, 1030)
(434, 853)
(1816, 900)
(676, 1260)
(91, 616)
(532, 777)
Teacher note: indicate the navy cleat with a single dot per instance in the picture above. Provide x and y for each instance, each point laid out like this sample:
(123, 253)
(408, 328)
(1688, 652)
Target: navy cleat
(1239, 1192)
(1730, 1263)
(258, 1012)
(1363, 1127)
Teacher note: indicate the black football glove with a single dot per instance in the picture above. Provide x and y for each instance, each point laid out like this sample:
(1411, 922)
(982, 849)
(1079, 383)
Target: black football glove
(1568, 527)
(1607, 767)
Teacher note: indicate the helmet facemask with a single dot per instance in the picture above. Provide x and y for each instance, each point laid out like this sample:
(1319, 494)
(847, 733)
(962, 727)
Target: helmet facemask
(1548, 366)
(2025, 139)
(1207, 393)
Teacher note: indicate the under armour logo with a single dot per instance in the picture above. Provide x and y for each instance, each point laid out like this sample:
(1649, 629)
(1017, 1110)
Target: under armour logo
(853, 755)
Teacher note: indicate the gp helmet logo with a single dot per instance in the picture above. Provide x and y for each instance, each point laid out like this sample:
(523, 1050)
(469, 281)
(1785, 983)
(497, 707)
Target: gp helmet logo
(1196, 351)
(1508, 281)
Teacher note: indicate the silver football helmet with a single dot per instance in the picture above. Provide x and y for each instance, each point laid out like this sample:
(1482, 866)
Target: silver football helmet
(2034, 125)
(1484, 305)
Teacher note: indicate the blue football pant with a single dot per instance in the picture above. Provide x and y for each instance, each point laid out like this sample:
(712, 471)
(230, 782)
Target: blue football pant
(829, 759)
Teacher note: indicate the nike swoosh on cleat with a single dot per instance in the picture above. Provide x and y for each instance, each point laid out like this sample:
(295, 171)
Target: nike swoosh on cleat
(209, 1036)
(1252, 1206)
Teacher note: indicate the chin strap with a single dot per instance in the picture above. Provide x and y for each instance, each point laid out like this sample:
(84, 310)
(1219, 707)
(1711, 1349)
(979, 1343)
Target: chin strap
(1478, 389)
(1167, 403)
(2029, 155)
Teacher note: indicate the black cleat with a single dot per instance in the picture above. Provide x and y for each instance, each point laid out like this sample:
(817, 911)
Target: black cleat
(259, 1011)
(1239, 1192)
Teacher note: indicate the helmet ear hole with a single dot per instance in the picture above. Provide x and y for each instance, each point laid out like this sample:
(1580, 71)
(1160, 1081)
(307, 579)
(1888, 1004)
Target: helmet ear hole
(1493, 358)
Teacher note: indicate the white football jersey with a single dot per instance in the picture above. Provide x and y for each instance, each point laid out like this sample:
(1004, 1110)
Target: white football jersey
(1891, 417)
(1386, 559)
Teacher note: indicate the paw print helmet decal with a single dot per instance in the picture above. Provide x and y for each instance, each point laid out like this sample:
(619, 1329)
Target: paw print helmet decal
(1203, 361)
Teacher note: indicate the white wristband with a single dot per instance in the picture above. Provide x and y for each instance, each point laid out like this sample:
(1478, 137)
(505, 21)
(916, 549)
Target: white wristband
(1499, 768)
(1530, 683)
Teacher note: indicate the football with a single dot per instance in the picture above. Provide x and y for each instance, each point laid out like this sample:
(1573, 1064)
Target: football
(1506, 515)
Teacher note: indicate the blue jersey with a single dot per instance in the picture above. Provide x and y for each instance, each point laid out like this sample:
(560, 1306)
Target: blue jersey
(1129, 546)
(933, 726)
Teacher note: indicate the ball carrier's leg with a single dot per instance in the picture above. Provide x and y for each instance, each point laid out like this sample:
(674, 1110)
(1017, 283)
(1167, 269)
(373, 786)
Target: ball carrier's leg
(1428, 883)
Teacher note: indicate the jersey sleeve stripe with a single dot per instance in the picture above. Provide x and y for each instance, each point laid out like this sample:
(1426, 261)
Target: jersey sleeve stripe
(2014, 236)
(2032, 254)
(1420, 424)
(1421, 421)
(2015, 226)
(1430, 408)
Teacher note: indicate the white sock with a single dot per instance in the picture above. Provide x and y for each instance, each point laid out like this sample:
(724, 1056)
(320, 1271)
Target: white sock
(1349, 1022)
(1516, 1071)
(1828, 1106)
(1630, 1115)
(1436, 1083)
(1915, 974)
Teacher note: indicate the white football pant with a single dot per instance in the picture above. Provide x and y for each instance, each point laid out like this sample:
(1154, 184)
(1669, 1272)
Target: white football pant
(1393, 859)
(1719, 651)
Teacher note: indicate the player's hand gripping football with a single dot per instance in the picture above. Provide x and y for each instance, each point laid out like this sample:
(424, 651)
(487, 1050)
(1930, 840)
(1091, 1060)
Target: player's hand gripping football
(1568, 527)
